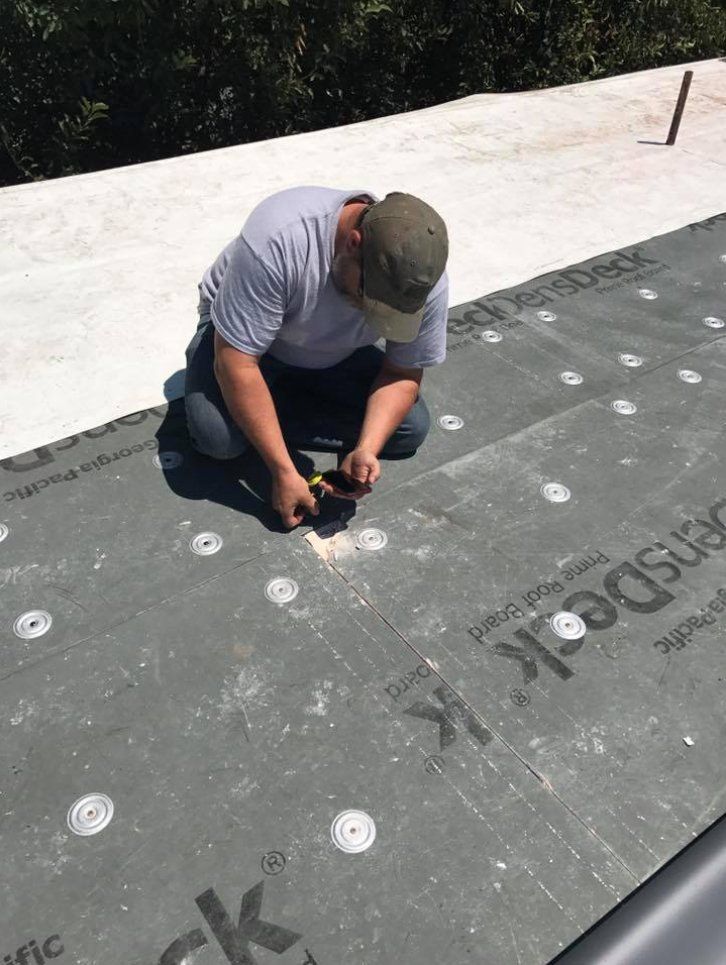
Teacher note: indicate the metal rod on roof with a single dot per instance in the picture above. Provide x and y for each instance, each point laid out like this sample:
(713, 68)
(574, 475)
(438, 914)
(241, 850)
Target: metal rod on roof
(680, 104)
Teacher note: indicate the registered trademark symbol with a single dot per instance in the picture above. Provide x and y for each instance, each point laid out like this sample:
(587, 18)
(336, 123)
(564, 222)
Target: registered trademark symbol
(519, 697)
(273, 862)
(434, 764)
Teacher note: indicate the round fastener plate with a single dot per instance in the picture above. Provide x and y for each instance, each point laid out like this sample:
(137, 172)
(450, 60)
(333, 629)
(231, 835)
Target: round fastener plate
(168, 460)
(568, 626)
(555, 492)
(546, 316)
(450, 422)
(4, 532)
(353, 831)
(632, 361)
(571, 378)
(281, 590)
(90, 814)
(712, 321)
(32, 624)
(688, 375)
(491, 336)
(204, 544)
(623, 407)
(371, 539)
(647, 293)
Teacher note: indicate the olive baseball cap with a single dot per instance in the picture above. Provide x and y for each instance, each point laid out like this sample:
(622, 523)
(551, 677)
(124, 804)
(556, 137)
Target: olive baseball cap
(405, 247)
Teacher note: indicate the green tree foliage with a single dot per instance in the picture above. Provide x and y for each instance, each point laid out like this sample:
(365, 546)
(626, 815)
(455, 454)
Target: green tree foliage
(90, 84)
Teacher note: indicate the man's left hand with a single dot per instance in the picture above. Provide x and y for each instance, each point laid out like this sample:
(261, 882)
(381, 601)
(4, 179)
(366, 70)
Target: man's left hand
(362, 467)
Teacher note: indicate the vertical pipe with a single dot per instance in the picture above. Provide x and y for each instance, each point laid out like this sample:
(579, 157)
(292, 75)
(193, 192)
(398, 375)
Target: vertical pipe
(680, 104)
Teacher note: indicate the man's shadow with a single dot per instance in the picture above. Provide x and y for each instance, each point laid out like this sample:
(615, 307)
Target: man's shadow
(243, 484)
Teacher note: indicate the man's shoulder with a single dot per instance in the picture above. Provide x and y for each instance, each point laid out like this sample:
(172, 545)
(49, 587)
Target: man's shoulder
(290, 210)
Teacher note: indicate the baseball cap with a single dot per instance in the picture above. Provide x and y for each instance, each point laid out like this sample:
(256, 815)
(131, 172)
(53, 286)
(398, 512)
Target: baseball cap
(405, 247)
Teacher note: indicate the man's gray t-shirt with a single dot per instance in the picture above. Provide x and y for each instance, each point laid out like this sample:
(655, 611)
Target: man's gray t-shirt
(271, 289)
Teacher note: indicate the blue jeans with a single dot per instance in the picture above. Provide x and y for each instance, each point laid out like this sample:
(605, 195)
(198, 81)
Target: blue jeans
(318, 409)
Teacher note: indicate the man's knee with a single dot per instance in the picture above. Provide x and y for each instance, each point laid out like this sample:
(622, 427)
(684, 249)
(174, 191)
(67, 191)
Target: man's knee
(220, 448)
(420, 423)
(221, 452)
(213, 437)
(411, 433)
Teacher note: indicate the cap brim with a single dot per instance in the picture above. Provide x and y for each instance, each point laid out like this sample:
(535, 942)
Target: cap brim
(392, 325)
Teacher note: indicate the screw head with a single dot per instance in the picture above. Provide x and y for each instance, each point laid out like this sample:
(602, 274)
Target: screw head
(632, 361)
(568, 626)
(450, 422)
(372, 539)
(205, 544)
(90, 814)
(623, 407)
(168, 460)
(555, 492)
(281, 590)
(353, 831)
(32, 624)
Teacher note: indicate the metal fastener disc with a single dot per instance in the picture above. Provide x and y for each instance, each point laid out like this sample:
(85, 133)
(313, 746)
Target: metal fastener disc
(204, 544)
(491, 336)
(90, 814)
(32, 624)
(571, 378)
(712, 321)
(450, 422)
(168, 460)
(688, 375)
(546, 316)
(568, 626)
(353, 831)
(647, 293)
(4, 531)
(372, 539)
(281, 590)
(723, 259)
(623, 407)
(632, 361)
(555, 492)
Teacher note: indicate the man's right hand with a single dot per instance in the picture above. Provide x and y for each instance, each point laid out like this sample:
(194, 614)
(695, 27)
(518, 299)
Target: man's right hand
(292, 499)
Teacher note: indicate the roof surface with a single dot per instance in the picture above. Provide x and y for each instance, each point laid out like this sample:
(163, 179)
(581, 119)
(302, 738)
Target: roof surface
(507, 660)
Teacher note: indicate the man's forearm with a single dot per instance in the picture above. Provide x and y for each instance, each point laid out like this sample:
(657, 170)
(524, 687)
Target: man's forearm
(389, 401)
(251, 406)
